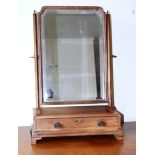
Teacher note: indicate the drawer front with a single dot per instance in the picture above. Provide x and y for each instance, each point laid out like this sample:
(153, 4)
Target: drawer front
(99, 123)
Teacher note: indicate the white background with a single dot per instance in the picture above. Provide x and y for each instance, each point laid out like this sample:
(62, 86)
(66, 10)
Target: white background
(123, 28)
(13, 78)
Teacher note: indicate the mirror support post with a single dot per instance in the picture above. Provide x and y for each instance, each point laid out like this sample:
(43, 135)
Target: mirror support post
(36, 60)
(110, 59)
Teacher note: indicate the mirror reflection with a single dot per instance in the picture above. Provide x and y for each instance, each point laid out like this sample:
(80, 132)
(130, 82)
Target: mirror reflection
(72, 55)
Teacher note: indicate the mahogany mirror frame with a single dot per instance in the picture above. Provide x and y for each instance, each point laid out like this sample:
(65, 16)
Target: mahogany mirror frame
(108, 82)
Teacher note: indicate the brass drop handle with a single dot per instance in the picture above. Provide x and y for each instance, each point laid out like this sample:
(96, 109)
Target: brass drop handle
(57, 125)
(78, 120)
(100, 123)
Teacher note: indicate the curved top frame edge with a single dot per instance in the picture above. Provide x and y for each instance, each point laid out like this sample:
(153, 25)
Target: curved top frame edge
(97, 8)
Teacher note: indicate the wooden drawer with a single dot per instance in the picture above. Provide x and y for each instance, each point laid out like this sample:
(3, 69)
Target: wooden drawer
(86, 123)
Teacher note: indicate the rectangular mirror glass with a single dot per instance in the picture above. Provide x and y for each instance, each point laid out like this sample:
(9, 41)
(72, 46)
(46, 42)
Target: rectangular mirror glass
(72, 55)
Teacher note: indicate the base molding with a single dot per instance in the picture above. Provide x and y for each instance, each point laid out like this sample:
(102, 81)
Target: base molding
(118, 135)
(76, 122)
(35, 139)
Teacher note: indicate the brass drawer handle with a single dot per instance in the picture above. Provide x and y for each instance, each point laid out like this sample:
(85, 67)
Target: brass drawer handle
(57, 125)
(78, 120)
(100, 123)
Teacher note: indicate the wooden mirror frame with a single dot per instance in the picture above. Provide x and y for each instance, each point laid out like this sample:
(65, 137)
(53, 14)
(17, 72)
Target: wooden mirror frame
(109, 90)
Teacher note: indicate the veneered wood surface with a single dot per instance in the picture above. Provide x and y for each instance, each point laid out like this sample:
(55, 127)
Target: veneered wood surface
(36, 58)
(70, 123)
(44, 123)
(76, 111)
(40, 52)
(82, 145)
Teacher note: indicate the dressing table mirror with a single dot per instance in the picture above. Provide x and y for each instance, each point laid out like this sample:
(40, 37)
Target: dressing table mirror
(74, 73)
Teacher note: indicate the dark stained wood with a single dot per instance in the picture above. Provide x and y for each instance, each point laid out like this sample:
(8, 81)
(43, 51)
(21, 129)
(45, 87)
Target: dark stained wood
(84, 145)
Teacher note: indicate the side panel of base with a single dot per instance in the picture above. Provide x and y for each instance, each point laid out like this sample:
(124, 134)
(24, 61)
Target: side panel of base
(34, 137)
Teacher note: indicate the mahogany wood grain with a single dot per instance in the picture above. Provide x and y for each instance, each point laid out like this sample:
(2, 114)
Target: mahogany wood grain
(66, 116)
(110, 123)
(44, 118)
(84, 111)
(109, 58)
(40, 68)
(97, 8)
(81, 145)
(36, 59)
